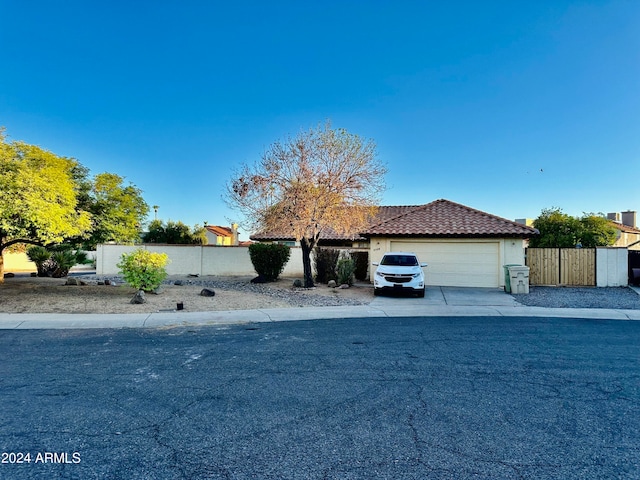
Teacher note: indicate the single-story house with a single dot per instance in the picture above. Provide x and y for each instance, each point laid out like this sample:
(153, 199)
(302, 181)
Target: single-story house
(217, 235)
(462, 246)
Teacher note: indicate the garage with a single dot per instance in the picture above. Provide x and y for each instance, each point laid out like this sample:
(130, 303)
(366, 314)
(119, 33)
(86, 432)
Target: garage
(462, 264)
(463, 247)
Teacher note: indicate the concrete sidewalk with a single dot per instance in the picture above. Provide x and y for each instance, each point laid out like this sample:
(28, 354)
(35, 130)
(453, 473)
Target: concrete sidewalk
(438, 302)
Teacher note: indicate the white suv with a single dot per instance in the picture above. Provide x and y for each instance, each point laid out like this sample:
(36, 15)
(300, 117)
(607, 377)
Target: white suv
(399, 272)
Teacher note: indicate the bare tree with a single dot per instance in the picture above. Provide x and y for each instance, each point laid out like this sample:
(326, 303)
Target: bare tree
(321, 180)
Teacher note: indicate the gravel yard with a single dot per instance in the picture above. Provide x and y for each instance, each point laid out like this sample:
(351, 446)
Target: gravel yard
(581, 297)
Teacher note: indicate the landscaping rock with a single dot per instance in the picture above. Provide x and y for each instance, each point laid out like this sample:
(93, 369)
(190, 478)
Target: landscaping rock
(297, 283)
(344, 285)
(139, 298)
(9, 275)
(331, 284)
(74, 281)
(107, 282)
(34, 274)
(207, 292)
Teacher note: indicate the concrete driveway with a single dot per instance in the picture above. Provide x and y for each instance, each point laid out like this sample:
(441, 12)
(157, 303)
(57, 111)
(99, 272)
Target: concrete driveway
(451, 296)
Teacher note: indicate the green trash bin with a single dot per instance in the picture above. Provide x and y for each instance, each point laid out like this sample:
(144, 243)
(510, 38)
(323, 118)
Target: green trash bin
(507, 277)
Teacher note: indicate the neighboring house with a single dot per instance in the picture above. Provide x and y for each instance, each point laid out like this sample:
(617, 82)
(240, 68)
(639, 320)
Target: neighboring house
(627, 232)
(222, 236)
(463, 246)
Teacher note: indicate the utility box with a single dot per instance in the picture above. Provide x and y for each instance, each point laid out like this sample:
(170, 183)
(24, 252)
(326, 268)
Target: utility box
(519, 279)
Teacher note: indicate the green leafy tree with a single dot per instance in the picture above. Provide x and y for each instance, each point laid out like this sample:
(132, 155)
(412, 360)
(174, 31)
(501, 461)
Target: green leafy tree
(597, 231)
(322, 179)
(38, 197)
(174, 233)
(560, 230)
(118, 210)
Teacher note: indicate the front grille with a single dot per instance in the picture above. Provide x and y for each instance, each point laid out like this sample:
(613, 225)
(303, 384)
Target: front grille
(398, 278)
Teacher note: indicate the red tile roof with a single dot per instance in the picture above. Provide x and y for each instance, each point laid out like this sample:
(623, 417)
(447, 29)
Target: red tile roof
(441, 218)
(221, 231)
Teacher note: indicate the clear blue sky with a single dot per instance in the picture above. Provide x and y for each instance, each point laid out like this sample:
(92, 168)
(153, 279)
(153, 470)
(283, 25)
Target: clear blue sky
(505, 106)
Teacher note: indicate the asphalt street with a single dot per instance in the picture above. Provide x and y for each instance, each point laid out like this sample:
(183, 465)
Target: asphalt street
(357, 398)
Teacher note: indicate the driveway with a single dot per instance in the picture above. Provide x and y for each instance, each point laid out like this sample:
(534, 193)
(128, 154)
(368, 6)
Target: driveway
(451, 296)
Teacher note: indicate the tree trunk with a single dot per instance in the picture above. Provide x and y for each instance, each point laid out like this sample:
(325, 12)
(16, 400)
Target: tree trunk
(307, 246)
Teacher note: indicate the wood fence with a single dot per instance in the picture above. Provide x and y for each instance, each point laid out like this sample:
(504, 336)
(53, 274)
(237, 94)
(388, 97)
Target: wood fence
(562, 266)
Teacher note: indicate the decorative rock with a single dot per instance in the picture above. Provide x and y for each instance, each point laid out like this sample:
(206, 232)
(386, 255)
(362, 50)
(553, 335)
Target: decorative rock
(107, 282)
(100, 282)
(344, 285)
(139, 298)
(74, 281)
(207, 292)
(34, 274)
(297, 283)
(9, 275)
(178, 282)
(331, 284)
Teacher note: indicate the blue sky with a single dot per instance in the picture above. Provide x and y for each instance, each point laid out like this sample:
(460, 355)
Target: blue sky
(505, 106)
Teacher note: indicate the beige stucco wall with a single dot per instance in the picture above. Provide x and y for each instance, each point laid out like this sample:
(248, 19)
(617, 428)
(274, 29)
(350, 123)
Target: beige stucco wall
(511, 250)
(196, 260)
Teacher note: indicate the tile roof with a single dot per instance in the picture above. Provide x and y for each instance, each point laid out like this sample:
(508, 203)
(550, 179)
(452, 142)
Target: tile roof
(218, 230)
(625, 228)
(444, 218)
(441, 218)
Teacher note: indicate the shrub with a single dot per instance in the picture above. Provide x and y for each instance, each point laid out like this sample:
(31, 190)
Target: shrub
(344, 270)
(326, 260)
(144, 270)
(361, 261)
(40, 256)
(56, 262)
(269, 259)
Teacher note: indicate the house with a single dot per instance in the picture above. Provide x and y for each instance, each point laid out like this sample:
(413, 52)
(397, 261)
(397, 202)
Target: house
(222, 236)
(627, 232)
(463, 246)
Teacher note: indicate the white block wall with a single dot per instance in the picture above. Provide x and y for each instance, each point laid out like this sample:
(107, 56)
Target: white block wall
(196, 260)
(612, 267)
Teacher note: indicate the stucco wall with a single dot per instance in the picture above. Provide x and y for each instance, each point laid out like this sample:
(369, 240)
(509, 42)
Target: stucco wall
(196, 260)
(612, 267)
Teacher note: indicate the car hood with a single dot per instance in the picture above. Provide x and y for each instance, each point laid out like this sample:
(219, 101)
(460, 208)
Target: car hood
(395, 270)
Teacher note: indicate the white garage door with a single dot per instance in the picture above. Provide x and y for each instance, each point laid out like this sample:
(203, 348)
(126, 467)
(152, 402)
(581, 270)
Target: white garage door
(457, 264)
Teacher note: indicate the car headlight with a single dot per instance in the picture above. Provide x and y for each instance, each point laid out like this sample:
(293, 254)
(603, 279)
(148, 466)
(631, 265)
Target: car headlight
(380, 274)
(416, 275)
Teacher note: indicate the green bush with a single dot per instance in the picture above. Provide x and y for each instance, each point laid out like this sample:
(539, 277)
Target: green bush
(144, 270)
(57, 261)
(40, 256)
(326, 260)
(361, 261)
(269, 259)
(345, 269)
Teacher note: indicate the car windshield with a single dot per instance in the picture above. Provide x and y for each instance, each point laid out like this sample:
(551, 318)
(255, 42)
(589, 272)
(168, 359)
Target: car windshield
(400, 260)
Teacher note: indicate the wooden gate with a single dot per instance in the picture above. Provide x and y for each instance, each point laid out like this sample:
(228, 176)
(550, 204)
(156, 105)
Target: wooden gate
(562, 266)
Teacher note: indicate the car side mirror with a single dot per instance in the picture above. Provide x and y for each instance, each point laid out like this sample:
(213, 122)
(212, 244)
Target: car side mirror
(423, 264)
(375, 264)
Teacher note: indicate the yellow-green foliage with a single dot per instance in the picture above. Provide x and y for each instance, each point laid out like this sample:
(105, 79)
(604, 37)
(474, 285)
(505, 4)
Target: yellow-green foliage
(144, 270)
